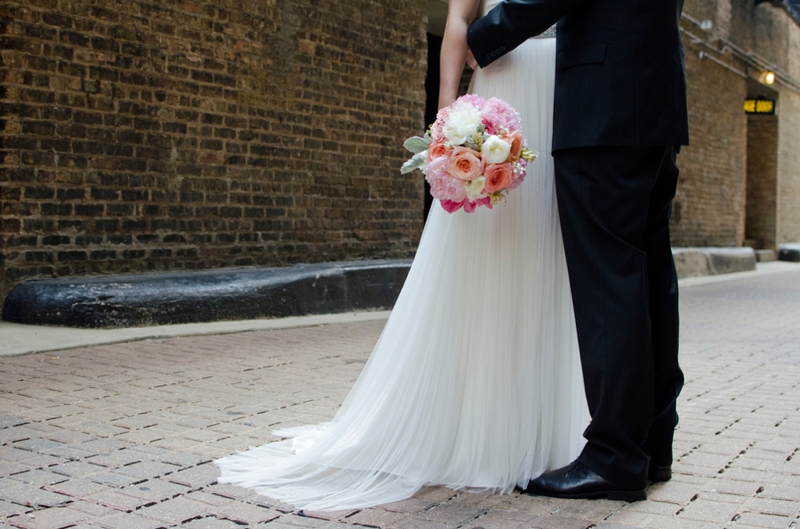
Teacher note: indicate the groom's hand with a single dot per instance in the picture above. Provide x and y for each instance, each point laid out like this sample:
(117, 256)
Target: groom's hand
(471, 59)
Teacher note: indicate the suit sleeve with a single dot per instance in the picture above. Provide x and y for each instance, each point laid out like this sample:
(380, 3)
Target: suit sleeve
(511, 23)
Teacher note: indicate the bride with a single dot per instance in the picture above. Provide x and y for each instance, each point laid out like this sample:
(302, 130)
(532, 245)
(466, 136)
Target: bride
(475, 382)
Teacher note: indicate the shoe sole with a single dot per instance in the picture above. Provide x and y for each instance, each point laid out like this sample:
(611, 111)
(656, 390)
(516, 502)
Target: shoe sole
(614, 495)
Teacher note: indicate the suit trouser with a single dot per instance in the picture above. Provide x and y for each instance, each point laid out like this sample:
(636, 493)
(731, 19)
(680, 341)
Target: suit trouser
(614, 204)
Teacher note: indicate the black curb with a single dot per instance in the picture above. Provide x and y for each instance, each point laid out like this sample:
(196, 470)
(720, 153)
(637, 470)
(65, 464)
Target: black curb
(789, 252)
(203, 296)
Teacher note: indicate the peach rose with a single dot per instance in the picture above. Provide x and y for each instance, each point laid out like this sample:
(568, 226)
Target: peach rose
(465, 164)
(498, 177)
(515, 139)
(436, 150)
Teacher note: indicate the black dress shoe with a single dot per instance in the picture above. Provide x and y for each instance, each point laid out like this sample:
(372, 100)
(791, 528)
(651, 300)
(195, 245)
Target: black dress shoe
(576, 480)
(658, 473)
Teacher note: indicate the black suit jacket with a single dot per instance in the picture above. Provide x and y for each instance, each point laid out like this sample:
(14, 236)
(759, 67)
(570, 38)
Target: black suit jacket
(620, 75)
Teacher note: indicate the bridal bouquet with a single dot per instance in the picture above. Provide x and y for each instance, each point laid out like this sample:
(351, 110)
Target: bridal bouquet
(473, 154)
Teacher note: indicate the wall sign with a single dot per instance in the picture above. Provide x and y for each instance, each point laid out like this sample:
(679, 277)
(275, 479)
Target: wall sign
(759, 106)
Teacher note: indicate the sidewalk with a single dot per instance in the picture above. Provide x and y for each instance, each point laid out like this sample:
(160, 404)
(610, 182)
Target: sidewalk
(121, 435)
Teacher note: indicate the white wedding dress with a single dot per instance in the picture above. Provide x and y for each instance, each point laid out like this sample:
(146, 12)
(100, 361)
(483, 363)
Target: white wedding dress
(475, 382)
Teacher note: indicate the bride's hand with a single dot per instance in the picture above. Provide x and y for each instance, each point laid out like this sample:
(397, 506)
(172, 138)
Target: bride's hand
(471, 59)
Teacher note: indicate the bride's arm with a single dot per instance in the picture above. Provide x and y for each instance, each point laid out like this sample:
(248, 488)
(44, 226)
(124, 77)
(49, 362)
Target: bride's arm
(460, 13)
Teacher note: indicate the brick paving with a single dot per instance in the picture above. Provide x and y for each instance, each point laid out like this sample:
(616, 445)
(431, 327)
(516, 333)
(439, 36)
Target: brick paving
(122, 436)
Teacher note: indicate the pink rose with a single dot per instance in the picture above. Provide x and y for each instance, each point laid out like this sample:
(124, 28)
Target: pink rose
(498, 177)
(436, 150)
(465, 164)
(515, 140)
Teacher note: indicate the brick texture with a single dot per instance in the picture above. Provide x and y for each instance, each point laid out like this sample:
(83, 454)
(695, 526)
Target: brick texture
(121, 435)
(788, 229)
(762, 173)
(179, 134)
(711, 203)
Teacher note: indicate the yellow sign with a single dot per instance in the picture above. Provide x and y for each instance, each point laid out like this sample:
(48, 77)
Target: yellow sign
(759, 106)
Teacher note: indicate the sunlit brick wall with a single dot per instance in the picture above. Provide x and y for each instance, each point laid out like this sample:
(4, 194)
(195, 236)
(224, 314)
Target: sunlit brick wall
(164, 135)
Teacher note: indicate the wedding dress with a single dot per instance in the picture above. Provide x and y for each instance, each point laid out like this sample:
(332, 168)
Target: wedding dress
(475, 382)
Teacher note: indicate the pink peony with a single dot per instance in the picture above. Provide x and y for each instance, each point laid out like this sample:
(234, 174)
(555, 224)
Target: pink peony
(443, 185)
(473, 99)
(451, 206)
(485, 201)
(465, 164)
(501, 115)
(469, 207)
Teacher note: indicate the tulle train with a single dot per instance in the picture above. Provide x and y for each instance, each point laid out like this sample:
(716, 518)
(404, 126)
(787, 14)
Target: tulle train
(475, 382)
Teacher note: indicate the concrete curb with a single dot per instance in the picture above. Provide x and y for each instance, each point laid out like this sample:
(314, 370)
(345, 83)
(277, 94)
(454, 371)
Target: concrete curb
(16, 339)
(251, 293)
(204, 296)
(708, 261)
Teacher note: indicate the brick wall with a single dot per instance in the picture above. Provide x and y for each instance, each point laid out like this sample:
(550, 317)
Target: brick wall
(711, 203)
(788, 222)
(708, 209)
(762, 180)
(177, 134)
(788, 229)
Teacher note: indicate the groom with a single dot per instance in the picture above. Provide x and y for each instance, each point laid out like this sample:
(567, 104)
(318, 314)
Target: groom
(619, 120)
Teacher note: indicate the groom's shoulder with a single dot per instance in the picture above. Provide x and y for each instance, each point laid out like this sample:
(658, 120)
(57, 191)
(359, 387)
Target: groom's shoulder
(626, 23)
(632, 16)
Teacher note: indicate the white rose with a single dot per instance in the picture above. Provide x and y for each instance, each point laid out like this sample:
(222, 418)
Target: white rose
(495, 150)
(475, 188)
(461, 123)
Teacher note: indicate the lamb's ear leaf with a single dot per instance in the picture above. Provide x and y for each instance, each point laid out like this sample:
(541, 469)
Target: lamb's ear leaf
(416, 162)
(416, 144)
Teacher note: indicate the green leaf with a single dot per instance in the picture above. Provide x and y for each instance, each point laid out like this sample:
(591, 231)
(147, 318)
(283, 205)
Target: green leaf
(416, 144)
(416, 162)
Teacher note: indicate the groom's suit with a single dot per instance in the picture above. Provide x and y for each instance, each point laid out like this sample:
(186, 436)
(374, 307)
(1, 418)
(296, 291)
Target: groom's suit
(619, 117)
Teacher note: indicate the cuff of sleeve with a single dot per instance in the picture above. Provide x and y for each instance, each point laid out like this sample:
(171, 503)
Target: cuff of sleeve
(480, 53)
